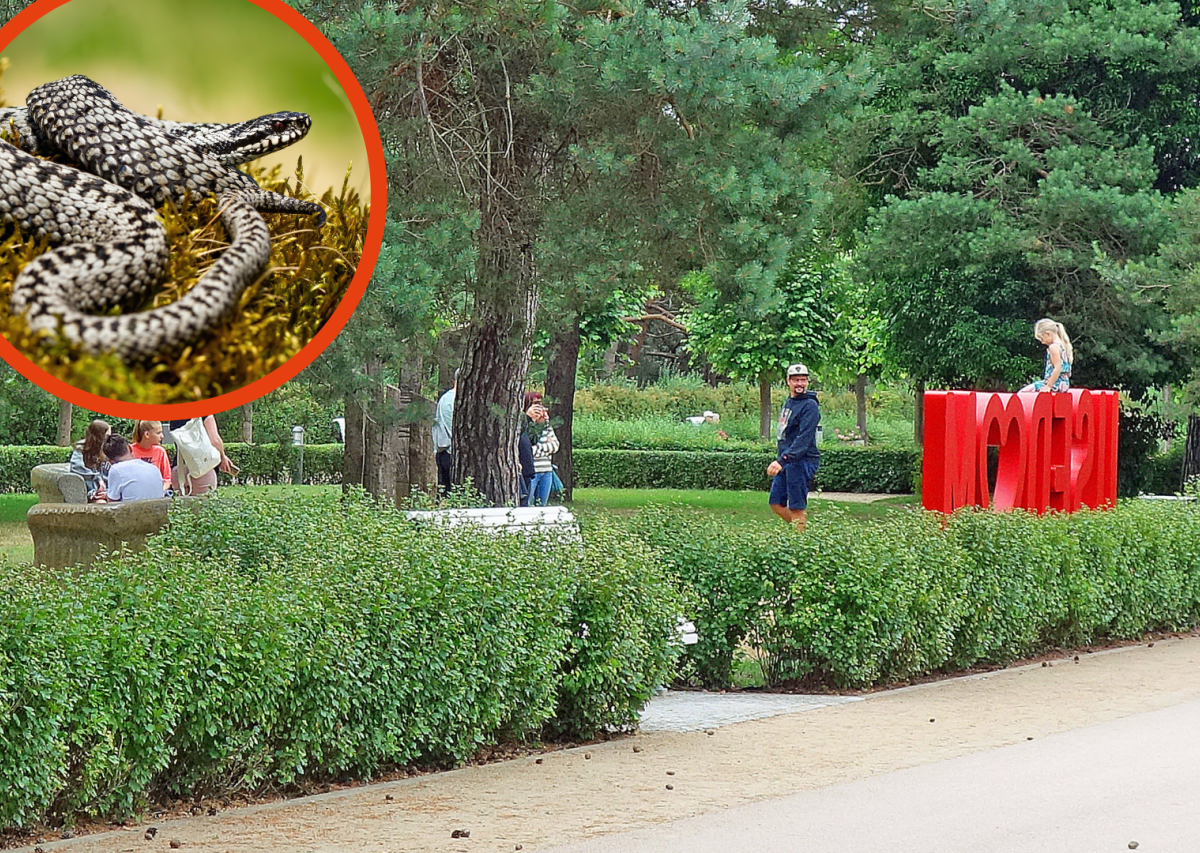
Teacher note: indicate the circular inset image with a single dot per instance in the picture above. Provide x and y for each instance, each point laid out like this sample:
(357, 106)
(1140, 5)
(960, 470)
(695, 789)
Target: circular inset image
(192, 199)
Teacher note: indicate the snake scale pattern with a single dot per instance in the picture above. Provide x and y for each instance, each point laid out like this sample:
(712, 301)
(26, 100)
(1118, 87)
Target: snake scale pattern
(110, 245)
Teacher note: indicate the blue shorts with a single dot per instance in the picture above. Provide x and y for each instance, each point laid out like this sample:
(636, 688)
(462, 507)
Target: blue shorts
(790, 485)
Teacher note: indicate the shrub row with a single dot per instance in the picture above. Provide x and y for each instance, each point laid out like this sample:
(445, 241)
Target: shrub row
(843, 469)
(260, 642)
(924, 593)
(260, 464)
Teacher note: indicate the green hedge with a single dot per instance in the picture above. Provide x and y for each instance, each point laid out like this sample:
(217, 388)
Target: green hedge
(260, 464)
(1163, 472)
(259, 642)
(16, 462)
(842, 469)
(921, 593)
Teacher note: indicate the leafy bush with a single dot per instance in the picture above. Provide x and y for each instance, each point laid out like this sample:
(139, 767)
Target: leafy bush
(17, 462)
(259, 642)
(656, 432)
(1139, 431)
(1164, 472)
(842, 469)
(916, 596)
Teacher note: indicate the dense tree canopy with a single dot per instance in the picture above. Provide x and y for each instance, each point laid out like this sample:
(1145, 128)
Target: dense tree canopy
(1012, 146)
(548, 140)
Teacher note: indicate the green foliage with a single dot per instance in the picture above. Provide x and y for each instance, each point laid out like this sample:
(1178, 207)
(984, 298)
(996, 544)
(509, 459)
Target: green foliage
(917, 596)
(626, 643)
(1024, 142)
(1164, 472)
(28, 415)
(1140, 429)
(661, 433)
(260, 643)
(842, 469)
(17, 462)
(755, 342)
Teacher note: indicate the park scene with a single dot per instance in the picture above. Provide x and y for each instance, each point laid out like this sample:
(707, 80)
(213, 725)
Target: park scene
(772, 405)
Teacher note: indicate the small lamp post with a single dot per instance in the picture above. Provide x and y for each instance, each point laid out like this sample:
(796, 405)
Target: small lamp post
(298, 442)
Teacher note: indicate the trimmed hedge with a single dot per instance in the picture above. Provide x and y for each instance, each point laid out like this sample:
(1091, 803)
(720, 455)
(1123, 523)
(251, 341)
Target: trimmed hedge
(261, 464)
(260, 642)
(843, 469)
(853, 605)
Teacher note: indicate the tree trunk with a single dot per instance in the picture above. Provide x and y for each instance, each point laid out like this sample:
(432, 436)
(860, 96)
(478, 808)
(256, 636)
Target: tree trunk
(358, 455)
(919, 415)
(389, 450)
(860, 398)
(246, 423)
(562, 364)
(499, 341)
(764, 406)
(1191, 452)
(65, 411)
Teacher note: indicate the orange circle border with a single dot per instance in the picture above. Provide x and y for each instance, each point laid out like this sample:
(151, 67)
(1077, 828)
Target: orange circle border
(358, 285)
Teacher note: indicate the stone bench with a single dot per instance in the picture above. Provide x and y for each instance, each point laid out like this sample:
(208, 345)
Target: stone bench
(69, 531)
(55, 483)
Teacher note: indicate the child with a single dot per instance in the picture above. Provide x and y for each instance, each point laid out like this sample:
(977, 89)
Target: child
(146, 443)
(1059, 356)
(130, 478)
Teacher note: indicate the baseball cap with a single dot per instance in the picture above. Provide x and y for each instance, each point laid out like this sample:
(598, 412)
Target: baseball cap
(797, 370)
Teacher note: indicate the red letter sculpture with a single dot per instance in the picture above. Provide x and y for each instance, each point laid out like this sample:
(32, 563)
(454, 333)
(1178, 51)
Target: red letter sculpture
(1056, 451)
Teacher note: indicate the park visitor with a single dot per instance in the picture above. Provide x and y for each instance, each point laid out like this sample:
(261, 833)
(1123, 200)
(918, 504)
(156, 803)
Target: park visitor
(130, 478)
(545, 446)
(525, 449)
(797, 457)
(199, 477)
(146, 443)
(1059, 356)
(88, 460)
(443, 437)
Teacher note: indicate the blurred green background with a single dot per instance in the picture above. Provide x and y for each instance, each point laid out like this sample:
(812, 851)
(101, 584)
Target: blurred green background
(197, 60)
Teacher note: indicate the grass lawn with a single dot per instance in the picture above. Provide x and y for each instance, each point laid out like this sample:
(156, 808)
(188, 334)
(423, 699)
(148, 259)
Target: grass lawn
(728, 505)
(16, 546)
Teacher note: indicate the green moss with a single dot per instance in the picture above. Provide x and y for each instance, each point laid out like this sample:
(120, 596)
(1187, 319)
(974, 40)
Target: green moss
(309, 273)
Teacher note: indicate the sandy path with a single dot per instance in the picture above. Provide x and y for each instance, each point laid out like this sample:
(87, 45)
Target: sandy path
(588, 791)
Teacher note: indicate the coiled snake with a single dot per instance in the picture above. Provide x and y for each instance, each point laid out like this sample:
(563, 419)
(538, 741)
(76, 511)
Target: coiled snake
(114, 245)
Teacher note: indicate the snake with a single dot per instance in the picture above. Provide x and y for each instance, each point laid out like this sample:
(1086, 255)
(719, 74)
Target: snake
(98, 212)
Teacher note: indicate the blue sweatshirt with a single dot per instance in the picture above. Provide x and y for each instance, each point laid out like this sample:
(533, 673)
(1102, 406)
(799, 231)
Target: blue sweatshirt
(797, 432)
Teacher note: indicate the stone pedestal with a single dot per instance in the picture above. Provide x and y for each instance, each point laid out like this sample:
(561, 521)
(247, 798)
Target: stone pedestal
(68, 534)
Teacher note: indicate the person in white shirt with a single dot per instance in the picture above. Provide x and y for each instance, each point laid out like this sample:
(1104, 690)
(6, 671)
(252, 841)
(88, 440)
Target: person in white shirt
(130, 478)
(443, 424)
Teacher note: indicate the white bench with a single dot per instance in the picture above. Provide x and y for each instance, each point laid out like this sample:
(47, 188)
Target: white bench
(523, 519)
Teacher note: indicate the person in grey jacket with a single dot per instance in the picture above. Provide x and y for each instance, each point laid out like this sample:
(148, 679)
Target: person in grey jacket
(797, 457)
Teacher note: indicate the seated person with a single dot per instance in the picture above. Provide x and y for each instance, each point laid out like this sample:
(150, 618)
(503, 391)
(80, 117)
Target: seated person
(146, 443)
(130, 479)
(87, 460)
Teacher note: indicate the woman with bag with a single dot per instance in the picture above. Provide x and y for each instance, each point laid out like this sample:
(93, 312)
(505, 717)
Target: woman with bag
(199, 453)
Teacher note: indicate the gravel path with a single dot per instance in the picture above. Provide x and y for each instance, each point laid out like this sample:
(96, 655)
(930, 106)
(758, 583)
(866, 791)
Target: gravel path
(540, 802)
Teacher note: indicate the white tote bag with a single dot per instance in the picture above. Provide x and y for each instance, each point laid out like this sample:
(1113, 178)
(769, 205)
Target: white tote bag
(196, 453)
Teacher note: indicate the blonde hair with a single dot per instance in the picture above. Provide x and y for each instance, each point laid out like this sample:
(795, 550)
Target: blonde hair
(1047, 325)
(140, 428)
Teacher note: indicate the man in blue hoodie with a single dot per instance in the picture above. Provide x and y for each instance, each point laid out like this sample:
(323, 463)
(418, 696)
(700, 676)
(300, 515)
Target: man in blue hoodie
(797, 456)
